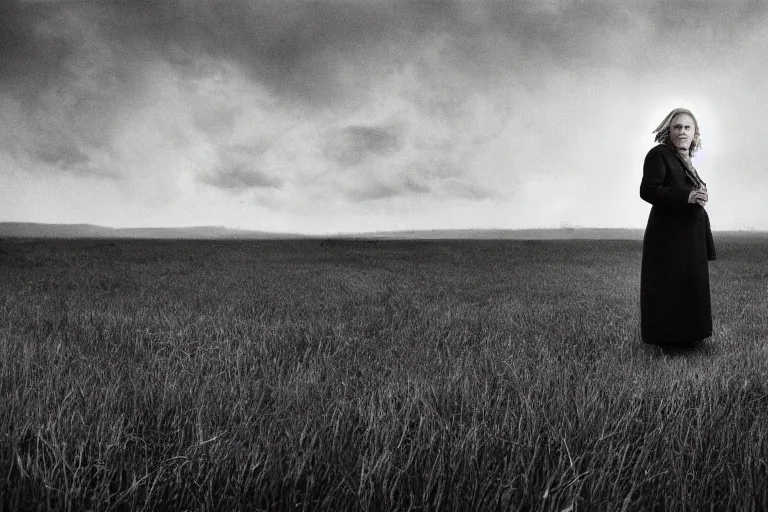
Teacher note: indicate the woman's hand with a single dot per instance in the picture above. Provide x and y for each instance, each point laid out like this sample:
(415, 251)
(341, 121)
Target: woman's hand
(698, 196)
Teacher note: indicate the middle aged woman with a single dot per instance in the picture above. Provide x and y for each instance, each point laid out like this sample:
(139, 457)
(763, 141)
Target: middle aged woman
(675, 304)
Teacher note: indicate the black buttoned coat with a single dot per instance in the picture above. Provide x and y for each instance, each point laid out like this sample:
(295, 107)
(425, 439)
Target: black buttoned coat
(675, 304)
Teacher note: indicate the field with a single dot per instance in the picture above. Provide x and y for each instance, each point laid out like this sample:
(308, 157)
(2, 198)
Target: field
(310, 375)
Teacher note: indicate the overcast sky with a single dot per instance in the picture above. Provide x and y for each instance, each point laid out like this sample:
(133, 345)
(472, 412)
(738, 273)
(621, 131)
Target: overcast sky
(342, 116)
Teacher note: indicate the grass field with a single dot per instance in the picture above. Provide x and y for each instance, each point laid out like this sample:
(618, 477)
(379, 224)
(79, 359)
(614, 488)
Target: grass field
(442, 375)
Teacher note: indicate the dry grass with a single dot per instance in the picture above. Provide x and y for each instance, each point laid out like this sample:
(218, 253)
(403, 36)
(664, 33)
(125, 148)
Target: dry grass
(482, 375)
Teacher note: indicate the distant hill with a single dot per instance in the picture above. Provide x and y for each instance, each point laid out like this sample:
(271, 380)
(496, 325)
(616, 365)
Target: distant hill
(33, 230)
(512, 234)
(534, 234)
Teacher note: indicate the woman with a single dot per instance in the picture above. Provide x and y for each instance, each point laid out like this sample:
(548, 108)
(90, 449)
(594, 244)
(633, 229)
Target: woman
(675, 305)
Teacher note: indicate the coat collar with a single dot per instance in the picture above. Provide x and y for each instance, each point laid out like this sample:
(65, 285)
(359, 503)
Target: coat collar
(688, 169)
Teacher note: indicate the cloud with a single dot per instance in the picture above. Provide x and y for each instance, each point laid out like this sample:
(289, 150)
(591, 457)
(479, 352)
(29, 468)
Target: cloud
(63, 87)
(240, 178)
(351, 144)
(724, 21)
(63, 156)
(334, 52)
(32, 51)
(312, 52)
(403, 186)
(413, 181)
(346, 100)
(321, 52)
(296, 49)
(372, 139)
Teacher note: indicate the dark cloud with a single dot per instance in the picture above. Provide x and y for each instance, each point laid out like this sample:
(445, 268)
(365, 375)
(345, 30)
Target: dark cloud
(467, 190)
(62, 85)
(32, 51)
(305, 50)
(405, 186)
(413, 185)
(724, 21)
(315, 52)
(637, 37)
(62, 156)
(350, 145)
(79, 63)
(240, 178)
(296, 49)
(373, 139)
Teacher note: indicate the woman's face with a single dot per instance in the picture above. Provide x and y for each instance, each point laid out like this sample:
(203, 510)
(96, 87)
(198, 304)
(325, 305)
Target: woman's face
(681, 131)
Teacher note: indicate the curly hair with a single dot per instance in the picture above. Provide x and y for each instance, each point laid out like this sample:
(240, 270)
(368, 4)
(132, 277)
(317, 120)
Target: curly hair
(662, 131)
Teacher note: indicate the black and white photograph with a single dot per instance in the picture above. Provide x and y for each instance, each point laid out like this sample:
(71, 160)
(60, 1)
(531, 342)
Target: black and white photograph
(383, 255)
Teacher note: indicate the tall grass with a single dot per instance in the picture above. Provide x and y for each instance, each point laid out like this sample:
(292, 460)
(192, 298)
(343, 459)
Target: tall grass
(474, 375)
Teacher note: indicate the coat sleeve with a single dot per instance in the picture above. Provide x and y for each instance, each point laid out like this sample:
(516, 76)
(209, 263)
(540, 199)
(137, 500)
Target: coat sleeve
(652, 188)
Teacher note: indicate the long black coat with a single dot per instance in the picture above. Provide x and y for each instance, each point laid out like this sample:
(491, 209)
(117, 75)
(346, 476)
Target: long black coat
(675, 302)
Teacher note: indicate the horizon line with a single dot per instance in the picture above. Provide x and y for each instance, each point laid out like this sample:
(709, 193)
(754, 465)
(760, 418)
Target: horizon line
(344, 233)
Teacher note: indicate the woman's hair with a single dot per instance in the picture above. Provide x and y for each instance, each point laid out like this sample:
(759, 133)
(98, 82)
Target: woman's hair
(662, 131)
